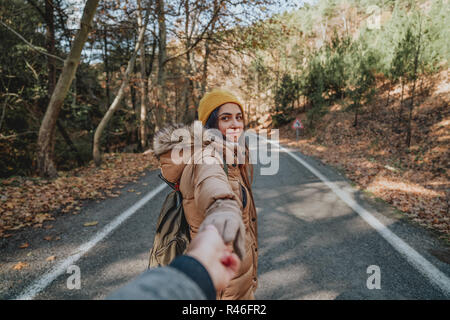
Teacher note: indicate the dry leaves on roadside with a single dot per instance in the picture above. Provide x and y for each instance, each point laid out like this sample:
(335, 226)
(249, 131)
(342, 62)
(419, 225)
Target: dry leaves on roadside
(32, 201)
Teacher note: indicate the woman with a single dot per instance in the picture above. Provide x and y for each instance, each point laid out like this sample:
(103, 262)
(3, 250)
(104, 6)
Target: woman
(214, 192)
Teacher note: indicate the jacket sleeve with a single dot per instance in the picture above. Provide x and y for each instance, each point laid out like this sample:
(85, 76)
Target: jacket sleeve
(184, 279)
(212, 191)
(169, 171)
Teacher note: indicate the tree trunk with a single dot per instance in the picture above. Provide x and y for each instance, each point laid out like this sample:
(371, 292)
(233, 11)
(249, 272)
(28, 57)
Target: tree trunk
(162, 56)
(208, 49)
(133, 94)
(205, 67)
(46, 141)
(50, 45)
(411, 105)
(115, 105)
(421, 85)
(355, 123)
(389, 92)
(150, 91)
(400, 113)
(189, 86)
(143, 87)
(106, 64)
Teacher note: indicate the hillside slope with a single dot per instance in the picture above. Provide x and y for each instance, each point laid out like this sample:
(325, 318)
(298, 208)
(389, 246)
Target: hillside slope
(375, 157)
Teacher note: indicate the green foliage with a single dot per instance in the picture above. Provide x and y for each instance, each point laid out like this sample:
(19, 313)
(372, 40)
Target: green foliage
(345, 67)
(314, 89)
(281, 118)
(323, 79)
(22, 88)
(336, 65)
(286, 93)
(362, 80)
(319, 52)
(403, 57)
(24, 93)
(259, 76)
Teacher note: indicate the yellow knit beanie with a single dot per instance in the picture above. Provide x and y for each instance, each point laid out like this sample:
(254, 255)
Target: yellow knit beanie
(214, 99)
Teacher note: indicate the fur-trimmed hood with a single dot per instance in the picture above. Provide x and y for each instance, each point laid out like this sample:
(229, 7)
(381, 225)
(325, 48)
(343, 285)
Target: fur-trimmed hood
(178, 135)
(188, 138)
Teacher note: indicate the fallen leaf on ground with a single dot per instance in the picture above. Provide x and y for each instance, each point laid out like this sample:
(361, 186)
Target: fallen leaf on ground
(24, 245)
(48, 238)
(20, 265)
(90, 224)
(51, 258)
(43, 217)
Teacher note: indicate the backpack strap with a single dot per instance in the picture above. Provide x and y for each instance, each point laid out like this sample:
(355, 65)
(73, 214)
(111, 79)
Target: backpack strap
(174, 186)
(225, 167)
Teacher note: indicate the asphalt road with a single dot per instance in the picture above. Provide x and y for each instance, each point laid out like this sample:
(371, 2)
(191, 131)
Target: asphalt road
(312, 244)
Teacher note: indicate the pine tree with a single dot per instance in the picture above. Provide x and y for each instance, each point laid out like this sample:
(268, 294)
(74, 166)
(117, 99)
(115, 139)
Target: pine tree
(362, 80)
(314, 89)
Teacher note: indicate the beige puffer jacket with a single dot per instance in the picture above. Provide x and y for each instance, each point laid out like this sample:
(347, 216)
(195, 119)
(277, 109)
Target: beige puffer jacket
(207, 189)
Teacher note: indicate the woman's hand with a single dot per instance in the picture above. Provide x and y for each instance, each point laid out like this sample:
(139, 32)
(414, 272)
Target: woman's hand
(230, 227)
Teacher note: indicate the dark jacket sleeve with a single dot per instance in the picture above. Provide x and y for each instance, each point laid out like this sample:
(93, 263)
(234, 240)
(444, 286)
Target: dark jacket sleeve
(184, 279)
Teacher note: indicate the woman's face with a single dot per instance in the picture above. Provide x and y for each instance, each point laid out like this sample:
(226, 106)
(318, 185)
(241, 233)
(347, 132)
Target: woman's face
(231, 121)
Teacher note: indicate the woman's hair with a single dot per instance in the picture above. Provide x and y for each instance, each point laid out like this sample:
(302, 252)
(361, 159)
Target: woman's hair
(246, 168)
(213, 120)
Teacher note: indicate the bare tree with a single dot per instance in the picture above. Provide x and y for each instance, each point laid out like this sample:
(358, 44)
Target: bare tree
(116, 103)
(162, 54)
(417, 49)
(46, 138)
(143, 82)
(191, 37)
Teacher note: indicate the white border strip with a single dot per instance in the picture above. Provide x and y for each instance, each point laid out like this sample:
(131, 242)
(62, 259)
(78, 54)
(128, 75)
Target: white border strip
(437, 277)
(30, 292)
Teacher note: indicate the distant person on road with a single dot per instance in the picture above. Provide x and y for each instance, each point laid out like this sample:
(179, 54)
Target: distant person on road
(214, 192)
(207, 267)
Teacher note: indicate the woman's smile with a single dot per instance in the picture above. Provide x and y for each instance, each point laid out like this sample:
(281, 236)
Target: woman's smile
(231, 121)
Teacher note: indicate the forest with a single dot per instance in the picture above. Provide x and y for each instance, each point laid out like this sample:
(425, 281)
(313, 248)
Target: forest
(83, 81)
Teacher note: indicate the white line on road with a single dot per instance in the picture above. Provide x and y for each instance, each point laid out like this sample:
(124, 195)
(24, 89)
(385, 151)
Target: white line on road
(40, 284)
(425, 267)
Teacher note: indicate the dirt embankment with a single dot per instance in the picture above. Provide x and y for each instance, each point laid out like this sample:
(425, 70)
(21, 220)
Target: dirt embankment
(375, 157)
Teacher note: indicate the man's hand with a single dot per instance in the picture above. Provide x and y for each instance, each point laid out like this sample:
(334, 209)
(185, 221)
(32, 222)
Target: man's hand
(210, 250)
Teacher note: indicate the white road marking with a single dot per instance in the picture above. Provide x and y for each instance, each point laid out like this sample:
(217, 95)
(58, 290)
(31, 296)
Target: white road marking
(426, 268)
(40, 284)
